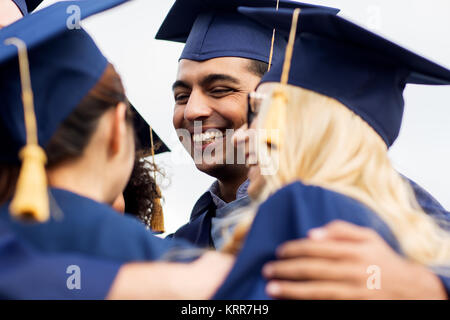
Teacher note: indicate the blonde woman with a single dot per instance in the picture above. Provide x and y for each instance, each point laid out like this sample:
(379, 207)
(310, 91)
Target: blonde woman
(324, 121)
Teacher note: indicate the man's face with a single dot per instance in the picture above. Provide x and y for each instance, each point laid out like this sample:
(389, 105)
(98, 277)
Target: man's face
(9, 13)
(212, 96)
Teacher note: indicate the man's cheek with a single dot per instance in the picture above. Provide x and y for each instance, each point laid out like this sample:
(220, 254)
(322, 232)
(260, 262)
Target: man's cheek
(177, 119)
(238, 119)
(236, 114)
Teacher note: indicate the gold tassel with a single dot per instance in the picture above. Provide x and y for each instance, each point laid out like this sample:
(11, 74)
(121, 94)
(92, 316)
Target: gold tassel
(290, 48)
(157, 219)
(31, 197)
(272, 43)
(276, 116)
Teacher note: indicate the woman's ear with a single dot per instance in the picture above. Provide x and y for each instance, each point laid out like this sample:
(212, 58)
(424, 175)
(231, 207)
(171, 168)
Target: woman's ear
(119, 129)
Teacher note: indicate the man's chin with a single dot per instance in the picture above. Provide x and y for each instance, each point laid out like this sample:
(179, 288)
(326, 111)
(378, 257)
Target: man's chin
(211, 169)
(224, 171)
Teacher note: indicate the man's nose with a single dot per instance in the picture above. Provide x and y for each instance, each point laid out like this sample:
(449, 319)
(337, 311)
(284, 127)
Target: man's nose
(197, 107)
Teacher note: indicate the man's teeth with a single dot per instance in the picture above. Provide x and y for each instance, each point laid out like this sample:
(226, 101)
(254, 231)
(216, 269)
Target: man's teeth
(207, 136)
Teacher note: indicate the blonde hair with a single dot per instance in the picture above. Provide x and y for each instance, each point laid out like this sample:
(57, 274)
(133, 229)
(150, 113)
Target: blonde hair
(328, 145)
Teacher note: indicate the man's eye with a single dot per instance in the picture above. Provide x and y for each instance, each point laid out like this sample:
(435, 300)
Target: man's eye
(220, 92)
(181, 98)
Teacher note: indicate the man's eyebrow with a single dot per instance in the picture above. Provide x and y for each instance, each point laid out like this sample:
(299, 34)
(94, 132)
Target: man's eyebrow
(218, 77)
(180, 84)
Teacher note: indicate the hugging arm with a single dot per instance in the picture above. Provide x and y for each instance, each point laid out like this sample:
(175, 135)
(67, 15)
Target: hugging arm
(334, 263)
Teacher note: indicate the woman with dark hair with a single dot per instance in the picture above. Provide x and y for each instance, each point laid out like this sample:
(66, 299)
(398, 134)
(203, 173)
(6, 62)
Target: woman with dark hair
(78, 139)
(142, 195)
(84, 135)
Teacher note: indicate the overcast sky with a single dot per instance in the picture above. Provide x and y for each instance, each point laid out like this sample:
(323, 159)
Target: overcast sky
(148, 67)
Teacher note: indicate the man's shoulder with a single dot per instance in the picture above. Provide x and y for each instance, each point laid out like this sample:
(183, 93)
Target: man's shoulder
(197, 230)
(311, 206)
(203, 204)
(428, 203)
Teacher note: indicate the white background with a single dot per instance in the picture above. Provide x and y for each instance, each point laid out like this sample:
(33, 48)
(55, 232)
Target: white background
(148, 68)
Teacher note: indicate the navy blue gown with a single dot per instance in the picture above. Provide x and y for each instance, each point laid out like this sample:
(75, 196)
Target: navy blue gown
(287, 215)
(25, 274)
(82, 225)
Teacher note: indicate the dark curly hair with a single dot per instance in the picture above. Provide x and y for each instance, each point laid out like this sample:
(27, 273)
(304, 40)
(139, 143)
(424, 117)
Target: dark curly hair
(142, 191)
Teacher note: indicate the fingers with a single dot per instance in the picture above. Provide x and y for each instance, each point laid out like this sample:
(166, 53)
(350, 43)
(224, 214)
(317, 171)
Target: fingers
(320, 249)
(341, 230)
(313, 269)
(312, 290)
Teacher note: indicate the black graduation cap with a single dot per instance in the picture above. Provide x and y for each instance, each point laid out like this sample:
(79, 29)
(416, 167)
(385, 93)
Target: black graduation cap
(27, 6)
(145, 134)
(364, 71)
(213, 29)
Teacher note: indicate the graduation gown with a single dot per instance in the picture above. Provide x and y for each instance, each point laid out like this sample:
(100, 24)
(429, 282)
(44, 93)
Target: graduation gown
(429, 204)
(82, 225)
(287, 215)
(198, 230)
(25, 274)
(446, 283)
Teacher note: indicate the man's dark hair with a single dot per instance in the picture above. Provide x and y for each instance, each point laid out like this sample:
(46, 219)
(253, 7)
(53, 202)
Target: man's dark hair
(258, 68)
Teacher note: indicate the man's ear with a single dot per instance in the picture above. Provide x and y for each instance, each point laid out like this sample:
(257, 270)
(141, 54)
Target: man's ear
(119, 129)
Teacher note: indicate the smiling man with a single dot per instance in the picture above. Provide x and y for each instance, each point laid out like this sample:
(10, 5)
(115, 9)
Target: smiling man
(224, 58)
(209, 98)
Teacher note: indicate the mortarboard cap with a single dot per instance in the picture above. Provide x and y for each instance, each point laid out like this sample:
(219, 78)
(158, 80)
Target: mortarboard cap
(360, 69)
(61, 66)
(64, 66)
(145, 134)
(214, 28)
